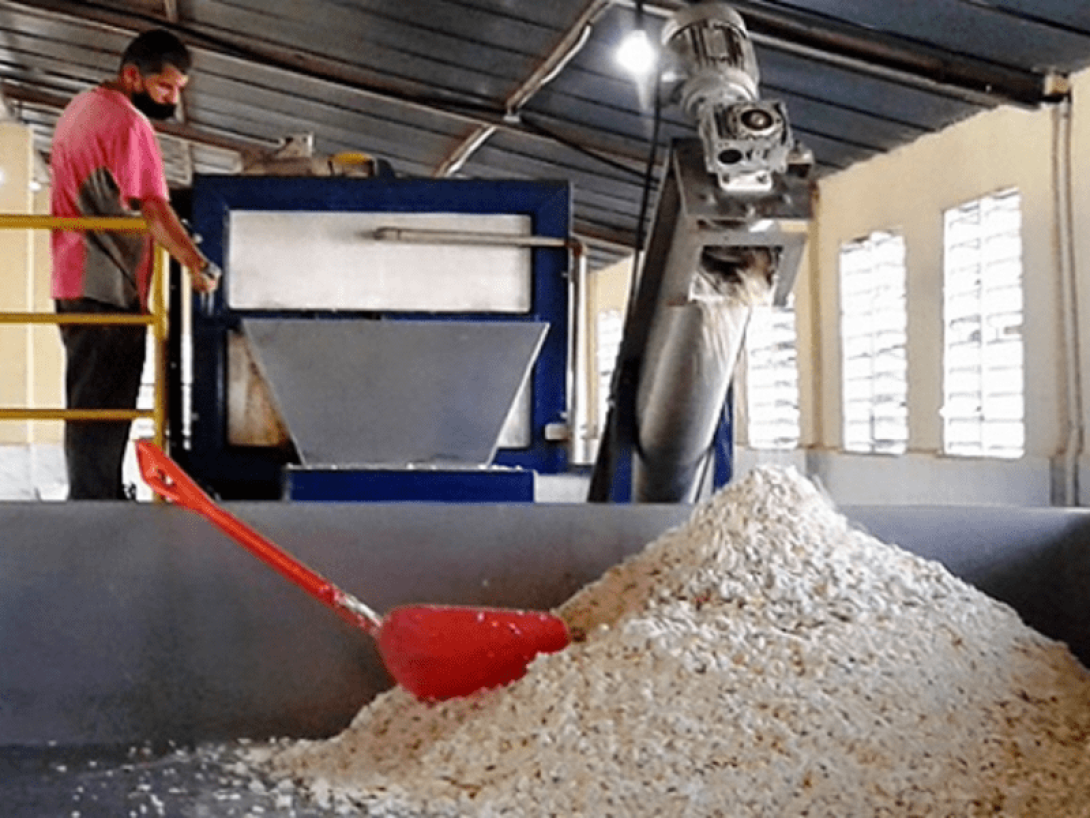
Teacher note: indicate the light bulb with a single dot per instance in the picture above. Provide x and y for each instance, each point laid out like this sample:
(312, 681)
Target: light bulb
(636, 55)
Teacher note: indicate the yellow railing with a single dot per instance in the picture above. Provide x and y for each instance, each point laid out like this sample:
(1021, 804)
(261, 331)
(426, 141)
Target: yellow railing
(157, 320)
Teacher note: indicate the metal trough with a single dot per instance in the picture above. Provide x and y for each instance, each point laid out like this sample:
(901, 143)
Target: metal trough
(126, 623)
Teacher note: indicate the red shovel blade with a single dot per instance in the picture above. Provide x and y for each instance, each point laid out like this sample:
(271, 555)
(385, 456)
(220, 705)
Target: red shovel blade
(440, 652)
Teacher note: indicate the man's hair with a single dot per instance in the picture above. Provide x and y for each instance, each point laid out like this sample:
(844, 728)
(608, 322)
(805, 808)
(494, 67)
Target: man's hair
(153, 50)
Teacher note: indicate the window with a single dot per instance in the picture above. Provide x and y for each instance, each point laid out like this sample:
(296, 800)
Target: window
(873, 320)
(772, 378)
(609, 332)
(983, 384)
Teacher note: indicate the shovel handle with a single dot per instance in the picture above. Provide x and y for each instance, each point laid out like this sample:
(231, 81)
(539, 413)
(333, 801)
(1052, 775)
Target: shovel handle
(167, 479)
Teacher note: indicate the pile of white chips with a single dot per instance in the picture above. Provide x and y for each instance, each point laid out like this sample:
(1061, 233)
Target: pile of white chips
(764, 659)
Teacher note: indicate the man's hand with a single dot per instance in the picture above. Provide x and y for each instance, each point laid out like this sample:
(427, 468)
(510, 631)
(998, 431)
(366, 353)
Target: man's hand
(167, 229)
(207, 279)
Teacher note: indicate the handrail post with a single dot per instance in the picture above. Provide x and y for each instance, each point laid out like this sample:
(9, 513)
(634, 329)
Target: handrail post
(159, 299)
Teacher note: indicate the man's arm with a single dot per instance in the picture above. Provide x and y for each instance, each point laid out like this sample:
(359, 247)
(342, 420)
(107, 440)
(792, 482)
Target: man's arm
(167, 229)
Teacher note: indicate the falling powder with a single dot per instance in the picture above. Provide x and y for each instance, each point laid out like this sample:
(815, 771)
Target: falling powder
(764, 659)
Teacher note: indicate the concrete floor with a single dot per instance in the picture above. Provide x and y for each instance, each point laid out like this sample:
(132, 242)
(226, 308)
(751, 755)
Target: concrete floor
(211, 781)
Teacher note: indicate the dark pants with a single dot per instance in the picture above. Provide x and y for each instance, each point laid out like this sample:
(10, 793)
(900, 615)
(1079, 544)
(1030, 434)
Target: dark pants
(103, 369)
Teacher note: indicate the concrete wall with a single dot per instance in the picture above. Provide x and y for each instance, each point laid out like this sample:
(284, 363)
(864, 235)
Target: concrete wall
(907, 191)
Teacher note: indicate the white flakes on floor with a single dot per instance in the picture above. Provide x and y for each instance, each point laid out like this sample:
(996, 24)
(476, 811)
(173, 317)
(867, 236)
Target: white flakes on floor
(764, 659)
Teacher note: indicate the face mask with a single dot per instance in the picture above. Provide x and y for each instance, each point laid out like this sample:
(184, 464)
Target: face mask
(152, 109)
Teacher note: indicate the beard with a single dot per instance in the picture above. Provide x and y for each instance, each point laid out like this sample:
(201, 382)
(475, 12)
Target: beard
(143, 102)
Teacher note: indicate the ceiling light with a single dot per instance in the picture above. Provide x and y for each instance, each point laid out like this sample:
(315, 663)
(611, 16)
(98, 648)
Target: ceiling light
(636, 54)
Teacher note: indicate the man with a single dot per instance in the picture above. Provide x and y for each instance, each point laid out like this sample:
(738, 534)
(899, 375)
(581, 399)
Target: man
(106, 162)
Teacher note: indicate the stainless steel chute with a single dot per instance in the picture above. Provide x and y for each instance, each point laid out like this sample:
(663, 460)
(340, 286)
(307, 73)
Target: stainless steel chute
(395, 393)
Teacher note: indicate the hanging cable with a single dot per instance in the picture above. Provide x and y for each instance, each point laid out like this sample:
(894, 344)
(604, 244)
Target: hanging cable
(648, 182)
(641, 230)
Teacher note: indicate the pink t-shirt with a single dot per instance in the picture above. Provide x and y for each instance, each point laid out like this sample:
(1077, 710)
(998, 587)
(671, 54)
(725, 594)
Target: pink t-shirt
(105, 161)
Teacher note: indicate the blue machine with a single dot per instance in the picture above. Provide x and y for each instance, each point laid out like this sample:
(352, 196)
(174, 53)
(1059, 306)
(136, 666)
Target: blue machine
(285, 295)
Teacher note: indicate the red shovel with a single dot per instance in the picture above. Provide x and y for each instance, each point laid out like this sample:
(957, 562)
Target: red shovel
(434, 651)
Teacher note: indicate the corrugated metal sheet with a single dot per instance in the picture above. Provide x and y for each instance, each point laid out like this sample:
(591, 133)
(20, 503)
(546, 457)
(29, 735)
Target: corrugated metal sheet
(502, 89)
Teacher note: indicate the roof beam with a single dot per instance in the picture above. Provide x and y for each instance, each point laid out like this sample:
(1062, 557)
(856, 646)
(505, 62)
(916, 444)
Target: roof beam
(178, 130)
(319, 68)
(568, 46)
(834, 42)
(170, 10)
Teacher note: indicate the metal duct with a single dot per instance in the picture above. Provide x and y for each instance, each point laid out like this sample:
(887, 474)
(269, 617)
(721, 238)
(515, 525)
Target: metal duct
(713, 255)
(691, 353)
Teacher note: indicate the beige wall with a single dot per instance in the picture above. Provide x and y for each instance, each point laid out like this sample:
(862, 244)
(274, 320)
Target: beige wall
(30, 369)
(16, 258)
(1079, 258)
(907, 190)
(607, 289)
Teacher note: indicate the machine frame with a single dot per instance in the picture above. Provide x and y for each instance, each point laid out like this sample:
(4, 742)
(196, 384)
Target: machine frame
(245, 472)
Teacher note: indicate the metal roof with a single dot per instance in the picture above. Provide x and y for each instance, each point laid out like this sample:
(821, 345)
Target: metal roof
(508, 89)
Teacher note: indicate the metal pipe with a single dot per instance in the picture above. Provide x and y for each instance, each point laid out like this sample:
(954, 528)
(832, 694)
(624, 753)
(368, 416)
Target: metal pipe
(576, 410)
(580, 377)
(682, 392)
(160, 329)
(117, 224)
(1062, 181)
(571, 44)
(75, 414)
(457, 158)
(408, 235)
(119, 319)
(692, 349)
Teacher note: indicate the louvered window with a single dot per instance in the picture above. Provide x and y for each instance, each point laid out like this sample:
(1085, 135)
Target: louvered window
(609, 331)
(983, 381)
(873, 320)
(772, 378)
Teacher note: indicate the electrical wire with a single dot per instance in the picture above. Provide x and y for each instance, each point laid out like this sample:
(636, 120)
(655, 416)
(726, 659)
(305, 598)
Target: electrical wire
(631, 411)
(648, 184)
(571, 144)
